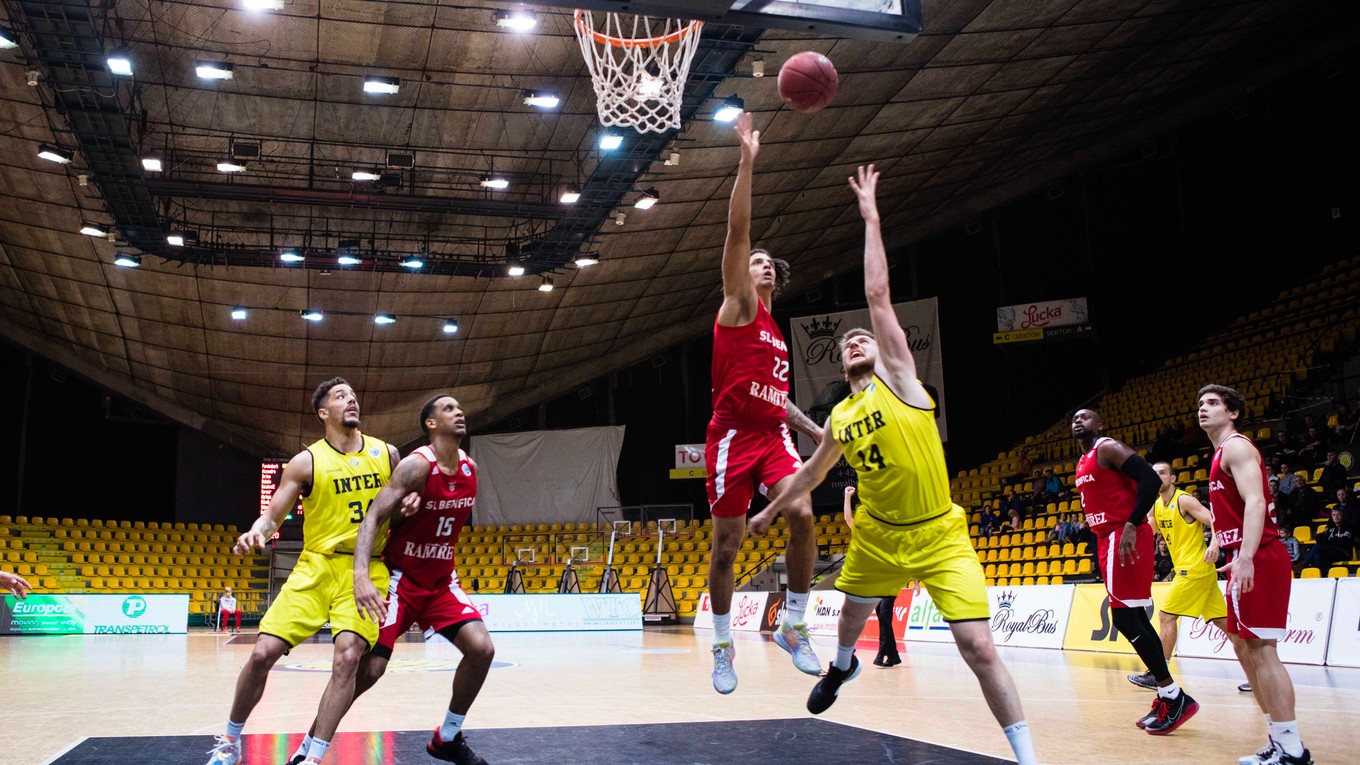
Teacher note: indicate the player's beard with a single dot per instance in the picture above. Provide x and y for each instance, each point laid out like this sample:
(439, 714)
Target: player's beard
(349, 420)
(859, 367)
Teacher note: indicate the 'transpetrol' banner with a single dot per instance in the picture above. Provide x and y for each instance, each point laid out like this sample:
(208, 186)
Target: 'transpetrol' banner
(94, 615)
(816, 358)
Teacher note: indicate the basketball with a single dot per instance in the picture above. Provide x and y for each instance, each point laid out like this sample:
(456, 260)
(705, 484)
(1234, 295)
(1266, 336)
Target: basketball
(807, 81)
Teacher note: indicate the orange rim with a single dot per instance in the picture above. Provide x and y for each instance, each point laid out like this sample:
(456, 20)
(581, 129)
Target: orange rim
(636, 42)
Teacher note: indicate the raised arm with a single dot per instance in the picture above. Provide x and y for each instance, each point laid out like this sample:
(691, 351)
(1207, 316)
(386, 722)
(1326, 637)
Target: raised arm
(849, 511)
(808, 477)
(295, 478)
(408, 478)
(895, 362)
(739, 291)
(801, 422)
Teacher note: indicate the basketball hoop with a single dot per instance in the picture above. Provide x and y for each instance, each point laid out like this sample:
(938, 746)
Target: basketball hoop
(639, 69)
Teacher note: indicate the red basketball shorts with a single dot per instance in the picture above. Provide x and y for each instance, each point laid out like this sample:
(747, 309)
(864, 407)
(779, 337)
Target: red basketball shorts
(1130, 584)
(740, 462)
(1262, 613)
(433, 609)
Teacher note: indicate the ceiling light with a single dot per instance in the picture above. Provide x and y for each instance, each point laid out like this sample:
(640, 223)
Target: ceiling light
(228, 166)
(757, 67)
(348, 260)
(8, 39)
(619, 217)
(120, 63)
(450, 326)
(413, 263)
(387, 85)
(546, 284)
(175, 239)
(152, 164)
(364, 175)
(53, 154)
(238, 313)
(214, 70)
(262, 5)
(291, 256)
(495, 182)
(311, 315)
(586, 259)
(649, 199)
(517, 20)
(92, 230)
(571, 194)
(731, 108)
(515, 269)
(384, 318)
(610, 140)
(673, 158)
(543, 99)
(127, 261)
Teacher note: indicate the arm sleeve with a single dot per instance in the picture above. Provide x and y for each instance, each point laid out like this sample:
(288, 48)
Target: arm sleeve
(1149, 484)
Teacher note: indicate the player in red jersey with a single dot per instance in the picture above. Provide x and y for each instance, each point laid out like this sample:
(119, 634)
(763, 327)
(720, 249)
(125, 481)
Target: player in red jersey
(1117, 489)
(748, 446)
(1259, 570)
(424, 586)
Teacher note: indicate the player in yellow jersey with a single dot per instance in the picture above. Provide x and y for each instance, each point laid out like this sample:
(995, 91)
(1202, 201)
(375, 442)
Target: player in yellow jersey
(907, 527)
(1181, 520)
(337, 477)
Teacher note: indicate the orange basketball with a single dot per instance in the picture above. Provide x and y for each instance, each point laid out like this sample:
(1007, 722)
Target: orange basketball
(807, 81)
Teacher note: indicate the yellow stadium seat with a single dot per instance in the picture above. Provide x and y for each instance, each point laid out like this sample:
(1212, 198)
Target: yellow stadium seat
(1003, 570)
(1027, 581)
(1027, 570)
(1055, 551)
(1041, 569)
(1338, 572)
(1304, 534)
(1069, 567)
(1081, 550)
(1069, 550)
(1055, 580)
(1312, 572)
(990, 571)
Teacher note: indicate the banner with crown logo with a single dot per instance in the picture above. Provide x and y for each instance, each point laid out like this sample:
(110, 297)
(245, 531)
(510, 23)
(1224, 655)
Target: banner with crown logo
(815, 355)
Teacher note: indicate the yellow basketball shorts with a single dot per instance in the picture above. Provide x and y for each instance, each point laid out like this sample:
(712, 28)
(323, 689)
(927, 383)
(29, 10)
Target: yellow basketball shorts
(1195, 595)
(320, 590)
(883, 559)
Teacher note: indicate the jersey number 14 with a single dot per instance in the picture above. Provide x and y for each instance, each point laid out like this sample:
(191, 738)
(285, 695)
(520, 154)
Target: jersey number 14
(872, 462)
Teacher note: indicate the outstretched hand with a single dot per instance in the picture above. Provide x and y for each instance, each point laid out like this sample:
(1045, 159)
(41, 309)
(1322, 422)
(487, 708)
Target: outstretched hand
(750, 139)
(865, 184)
(759, 525)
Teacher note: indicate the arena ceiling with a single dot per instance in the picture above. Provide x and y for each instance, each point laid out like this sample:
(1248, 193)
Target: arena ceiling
(994, 98)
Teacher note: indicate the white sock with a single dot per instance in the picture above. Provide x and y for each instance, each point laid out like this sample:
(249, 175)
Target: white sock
(795, 607)
(1286, 734)
(1268, 728)
(234, 729)
(843, 654)
(722, 628)
(302, 750)
(1170, 691)
(317, 750)
(452, 724)
(1021, 743)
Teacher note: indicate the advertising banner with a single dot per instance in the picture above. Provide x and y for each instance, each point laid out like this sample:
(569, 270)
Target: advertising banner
(1343, 649)
(560, 613)
(1052, 313)
(1034, 616)
(1305, 639)
(748, 611)
(1089, 627)
(95, 615)
(901, 609)
(924, 622)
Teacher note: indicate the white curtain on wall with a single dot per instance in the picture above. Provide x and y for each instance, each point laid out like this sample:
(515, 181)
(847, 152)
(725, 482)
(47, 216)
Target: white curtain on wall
(546, 476)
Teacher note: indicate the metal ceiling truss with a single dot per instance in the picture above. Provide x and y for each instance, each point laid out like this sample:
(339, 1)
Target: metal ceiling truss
(67, 40)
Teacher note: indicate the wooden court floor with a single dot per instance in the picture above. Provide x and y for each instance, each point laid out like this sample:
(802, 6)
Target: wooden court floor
(60, 690)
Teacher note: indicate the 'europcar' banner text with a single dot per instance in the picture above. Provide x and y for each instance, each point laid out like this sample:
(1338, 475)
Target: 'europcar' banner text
(95, 615)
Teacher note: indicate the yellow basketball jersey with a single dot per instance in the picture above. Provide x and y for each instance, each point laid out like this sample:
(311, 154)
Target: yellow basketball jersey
(1184, 539)
(896, 449)
(343, 486)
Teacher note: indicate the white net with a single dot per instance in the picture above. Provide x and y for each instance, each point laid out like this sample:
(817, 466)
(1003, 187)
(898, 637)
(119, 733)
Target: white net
(639, 66)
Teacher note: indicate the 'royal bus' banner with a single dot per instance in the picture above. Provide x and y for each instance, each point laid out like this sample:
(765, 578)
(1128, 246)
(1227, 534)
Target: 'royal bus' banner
(1034, 616)
(1343, 649)
(1305, 638)
(1090, 628)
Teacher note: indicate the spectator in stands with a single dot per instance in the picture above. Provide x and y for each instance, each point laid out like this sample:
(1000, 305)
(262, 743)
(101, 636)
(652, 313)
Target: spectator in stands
(1335, 544)
(1333, 474)
(1281, 512)
(1061, 530)
(1283, 447)
(1291, 545)
(1347, 422)
(227, 608)
(1307, 504)
(1053, 486)
(1315, 448)
(1350, 512)
(1011, 501)
(14, 584)
(1288, 484)
(1082, 533)
(1012, 520)
(990, 521)
(1162, 570)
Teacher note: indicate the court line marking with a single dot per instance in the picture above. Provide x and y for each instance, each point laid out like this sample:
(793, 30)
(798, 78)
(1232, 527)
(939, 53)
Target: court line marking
(65, 751)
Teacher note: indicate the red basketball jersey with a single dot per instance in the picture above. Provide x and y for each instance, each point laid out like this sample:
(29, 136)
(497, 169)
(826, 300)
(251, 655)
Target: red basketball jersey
(421, 546)
(1227, 507)
(1106, 495)
(750, 373)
